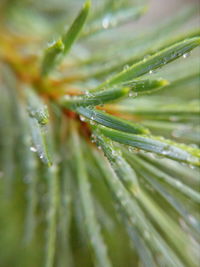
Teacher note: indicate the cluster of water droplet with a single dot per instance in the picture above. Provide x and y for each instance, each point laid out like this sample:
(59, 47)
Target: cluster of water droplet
(133, 94)
(93, 138)
(38, 150)
(133, 149)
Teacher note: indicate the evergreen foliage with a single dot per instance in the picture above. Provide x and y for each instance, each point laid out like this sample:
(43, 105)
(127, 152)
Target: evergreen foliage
(99, 136)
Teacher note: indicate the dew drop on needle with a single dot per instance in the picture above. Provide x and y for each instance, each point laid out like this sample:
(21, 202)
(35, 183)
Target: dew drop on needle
(126, 67)
(186, 55)
(33, 149)
(106, 22)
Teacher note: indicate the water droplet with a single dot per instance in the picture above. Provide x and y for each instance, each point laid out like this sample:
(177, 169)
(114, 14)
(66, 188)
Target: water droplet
(130, 149)
(192, 219)
(165, 152)
(126, 67)
(146, 57)
(93, 138)
(41, 156)
(132, 94)
(106, 21)
(114, 152)
(33, 149)
(82, 118)
(151, 71)
(51, 43)
(133, 149)
(186, 55)
(192, 166)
